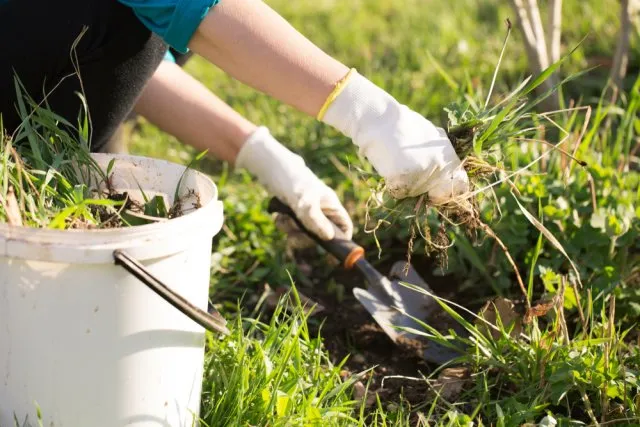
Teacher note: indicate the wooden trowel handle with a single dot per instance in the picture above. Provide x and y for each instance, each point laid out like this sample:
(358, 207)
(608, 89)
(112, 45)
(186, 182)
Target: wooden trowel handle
(347, 251)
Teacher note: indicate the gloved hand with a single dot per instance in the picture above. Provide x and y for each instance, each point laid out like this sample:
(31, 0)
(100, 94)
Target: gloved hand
(285, 175)
(408, 151)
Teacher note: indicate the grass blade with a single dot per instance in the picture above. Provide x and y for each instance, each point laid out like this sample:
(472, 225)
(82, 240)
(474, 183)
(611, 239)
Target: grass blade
(550, 237)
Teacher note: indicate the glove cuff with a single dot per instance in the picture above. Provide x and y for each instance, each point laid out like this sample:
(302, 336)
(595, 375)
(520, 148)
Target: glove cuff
(262, 150)
(274, 165)
(342, 83)
(358, 105)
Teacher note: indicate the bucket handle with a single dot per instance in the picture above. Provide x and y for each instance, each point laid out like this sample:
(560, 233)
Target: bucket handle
(213, 322)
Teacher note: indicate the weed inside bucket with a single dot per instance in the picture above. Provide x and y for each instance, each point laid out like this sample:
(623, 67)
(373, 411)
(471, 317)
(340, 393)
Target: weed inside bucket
(48, 178)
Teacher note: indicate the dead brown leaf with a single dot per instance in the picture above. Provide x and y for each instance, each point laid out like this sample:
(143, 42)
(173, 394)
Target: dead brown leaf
(538, 310)
(506, 310)
(451, 382)
(360, 393)
(12, 208)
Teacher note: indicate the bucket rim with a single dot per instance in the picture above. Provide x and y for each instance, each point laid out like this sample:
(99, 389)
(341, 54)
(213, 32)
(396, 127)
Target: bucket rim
(14, 240)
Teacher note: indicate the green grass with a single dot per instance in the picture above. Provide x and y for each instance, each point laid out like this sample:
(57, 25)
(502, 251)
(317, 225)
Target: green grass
(274, 373)
(520, 372)
(47, 177)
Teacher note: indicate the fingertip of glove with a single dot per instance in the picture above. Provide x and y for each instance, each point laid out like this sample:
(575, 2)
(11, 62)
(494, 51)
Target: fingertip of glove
(460, 179)
(456, 185)
(318, 223)
(442, 133)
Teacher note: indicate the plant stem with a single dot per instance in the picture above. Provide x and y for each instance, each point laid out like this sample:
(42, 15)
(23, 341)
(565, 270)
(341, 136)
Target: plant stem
(495, 73)
(621, 58)
(555, 22)
(504, 248)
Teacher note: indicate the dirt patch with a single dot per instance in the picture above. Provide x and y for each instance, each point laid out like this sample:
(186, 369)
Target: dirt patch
(350, 330)
(396, 370)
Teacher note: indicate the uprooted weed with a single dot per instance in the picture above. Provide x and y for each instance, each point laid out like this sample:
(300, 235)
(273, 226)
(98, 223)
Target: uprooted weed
(484, 138)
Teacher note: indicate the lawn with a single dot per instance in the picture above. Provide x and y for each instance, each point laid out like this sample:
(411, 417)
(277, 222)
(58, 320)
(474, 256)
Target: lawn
(574, 363)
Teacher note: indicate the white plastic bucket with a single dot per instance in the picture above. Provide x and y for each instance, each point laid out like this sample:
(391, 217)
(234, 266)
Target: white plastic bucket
(87, 342)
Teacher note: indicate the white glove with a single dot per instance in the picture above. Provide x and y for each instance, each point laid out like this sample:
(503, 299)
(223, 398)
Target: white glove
(408, 151)
(285, 175)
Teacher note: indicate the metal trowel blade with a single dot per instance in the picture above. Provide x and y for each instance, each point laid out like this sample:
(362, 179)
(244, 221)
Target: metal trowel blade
(394, 305)
(384, 314)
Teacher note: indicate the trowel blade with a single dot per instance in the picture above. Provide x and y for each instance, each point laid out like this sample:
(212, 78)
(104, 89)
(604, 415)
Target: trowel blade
(384, 314)
(390, 300)
(415, 303)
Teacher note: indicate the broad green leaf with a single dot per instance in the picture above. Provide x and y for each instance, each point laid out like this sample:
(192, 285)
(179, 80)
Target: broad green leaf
(500, 415)
(282, 405)
(313, 414)
(197, 158)
(156, 207)
(133, 221)
(103, 202)
(266, 396)
(31, 134)
(59, 221)
(570, 300)
(591, 342)
(110, 166)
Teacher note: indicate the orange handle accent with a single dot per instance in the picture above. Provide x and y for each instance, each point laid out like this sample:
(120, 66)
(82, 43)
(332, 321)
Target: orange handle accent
(354, 256)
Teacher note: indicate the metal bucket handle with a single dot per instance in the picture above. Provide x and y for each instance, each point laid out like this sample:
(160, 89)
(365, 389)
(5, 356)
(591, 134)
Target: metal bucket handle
(212, 322)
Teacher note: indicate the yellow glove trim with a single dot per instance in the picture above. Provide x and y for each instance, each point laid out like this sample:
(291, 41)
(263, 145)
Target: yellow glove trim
(334, 94)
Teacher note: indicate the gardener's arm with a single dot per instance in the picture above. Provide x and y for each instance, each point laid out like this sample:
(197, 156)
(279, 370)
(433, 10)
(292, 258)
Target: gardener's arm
(251, 42)
(180, 105)
(255, 45)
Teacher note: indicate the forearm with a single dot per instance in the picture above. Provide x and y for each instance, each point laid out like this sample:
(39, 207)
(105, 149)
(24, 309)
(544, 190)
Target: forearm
(252, 43)
(180, 105)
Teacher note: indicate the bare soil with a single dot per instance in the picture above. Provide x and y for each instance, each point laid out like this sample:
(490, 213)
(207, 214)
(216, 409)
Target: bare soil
(396, 370)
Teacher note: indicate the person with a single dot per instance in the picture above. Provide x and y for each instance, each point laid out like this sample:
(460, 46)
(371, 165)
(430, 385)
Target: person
(117, 48)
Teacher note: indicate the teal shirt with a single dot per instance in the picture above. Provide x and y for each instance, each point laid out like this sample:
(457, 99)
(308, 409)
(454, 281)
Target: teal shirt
(173, 20)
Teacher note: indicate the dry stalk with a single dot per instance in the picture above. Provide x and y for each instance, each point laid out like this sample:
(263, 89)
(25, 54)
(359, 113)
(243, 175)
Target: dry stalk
(556, 147)
(555, 22)
(10, 205)
(532, 31)
(621, 57)
(560, 310)
(412, 239)
(589, 304)
(504, 248)
(578, 141)
(588, 407)
(583, 321)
